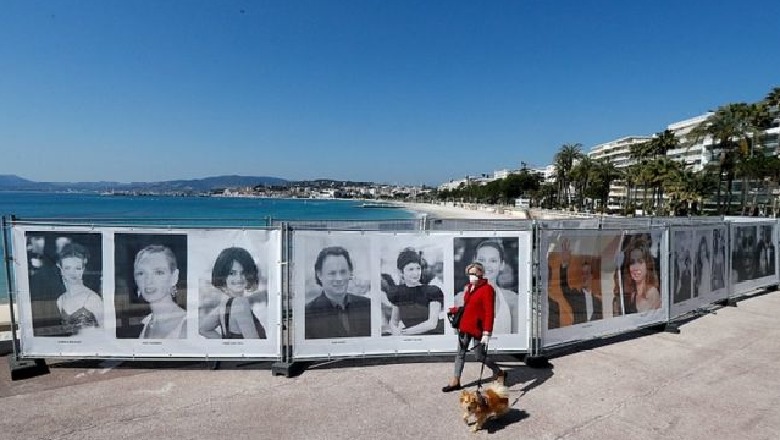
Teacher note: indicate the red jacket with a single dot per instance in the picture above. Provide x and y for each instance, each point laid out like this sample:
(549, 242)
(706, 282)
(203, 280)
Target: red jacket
(479, 303)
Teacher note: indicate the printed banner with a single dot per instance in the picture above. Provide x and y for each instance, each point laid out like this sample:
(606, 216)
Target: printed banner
(601, 282)
(114, 292)
(753, 256)
(362, 293)
(698, 267)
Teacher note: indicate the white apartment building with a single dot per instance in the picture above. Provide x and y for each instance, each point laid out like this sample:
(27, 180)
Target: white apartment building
(617, 152)
(548, 173)
(501, 174)
(695, 154)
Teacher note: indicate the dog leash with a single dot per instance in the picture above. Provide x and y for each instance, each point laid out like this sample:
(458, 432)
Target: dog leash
(480, 397)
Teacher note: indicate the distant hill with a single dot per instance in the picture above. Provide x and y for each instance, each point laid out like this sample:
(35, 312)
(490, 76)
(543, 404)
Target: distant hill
(9, 182)
(16, 183)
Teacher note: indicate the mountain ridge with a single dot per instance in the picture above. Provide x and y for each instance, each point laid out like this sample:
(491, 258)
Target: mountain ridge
(11, 182)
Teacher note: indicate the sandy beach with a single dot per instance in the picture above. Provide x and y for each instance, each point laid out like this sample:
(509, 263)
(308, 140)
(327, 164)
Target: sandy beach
(481, 211)
(466, 211)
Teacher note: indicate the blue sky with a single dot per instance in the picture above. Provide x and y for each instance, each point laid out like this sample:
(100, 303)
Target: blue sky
(392, 91)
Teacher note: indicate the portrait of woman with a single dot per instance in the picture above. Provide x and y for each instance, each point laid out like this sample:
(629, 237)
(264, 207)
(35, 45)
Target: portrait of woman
(703, 269)
(150, 286)
(225, 310)
(156, 274)
(498, 256)
(639, 280)
(65, 277)
(80, 307)
(415, 305)
(490, 253)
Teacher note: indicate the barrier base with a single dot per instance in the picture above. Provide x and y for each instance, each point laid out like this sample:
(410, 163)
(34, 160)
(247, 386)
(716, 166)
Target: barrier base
(537, 361)
(286, 369)
(671, 327)
(27, 368)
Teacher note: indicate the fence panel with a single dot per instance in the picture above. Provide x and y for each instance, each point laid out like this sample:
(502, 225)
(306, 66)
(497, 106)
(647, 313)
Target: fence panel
(145, 292)
(601, 282)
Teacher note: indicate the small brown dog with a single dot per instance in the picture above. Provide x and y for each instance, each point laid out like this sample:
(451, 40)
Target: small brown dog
(493, 402)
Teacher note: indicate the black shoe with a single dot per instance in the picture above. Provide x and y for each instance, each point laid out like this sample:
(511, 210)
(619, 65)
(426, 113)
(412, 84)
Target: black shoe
(448, 388)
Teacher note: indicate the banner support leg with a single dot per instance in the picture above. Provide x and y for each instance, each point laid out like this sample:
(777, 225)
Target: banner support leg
(537, 361)
(26, 368)
(671, 327)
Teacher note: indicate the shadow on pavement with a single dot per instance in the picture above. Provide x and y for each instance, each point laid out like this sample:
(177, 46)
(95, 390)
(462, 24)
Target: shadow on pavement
(513, 416)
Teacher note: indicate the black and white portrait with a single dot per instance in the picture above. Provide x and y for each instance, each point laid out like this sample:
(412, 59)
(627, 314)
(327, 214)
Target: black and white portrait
(744, 253)
(718, 259)
(499, 256)
(65, 278)
(151, 286)
(233, 297)
(765, 252)
(338, 286)
(412, 282)
(683, 270)
(702, 267)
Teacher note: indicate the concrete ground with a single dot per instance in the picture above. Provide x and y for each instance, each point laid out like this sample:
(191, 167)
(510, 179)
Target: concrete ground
(717, 379)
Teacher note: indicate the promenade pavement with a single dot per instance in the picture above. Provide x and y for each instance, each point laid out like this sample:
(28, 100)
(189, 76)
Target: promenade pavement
(717, 379)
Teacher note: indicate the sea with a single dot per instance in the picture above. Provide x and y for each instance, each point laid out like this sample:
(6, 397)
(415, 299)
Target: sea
(172, 211)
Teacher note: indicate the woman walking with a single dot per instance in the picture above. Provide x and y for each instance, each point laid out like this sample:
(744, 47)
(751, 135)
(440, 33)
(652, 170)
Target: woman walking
(476, 324)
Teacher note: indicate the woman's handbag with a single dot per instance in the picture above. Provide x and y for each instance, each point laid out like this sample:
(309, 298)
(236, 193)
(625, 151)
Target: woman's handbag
(454, 315)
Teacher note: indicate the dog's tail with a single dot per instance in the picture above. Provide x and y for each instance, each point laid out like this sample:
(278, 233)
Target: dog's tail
(499, 389)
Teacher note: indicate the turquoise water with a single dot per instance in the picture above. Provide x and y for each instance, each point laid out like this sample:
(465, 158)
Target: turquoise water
(165, 211)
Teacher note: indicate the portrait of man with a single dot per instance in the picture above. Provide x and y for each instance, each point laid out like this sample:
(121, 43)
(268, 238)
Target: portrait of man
(335, 312)
(585, 306)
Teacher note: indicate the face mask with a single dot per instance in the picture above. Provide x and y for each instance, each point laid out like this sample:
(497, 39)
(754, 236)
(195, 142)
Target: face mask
(473, 279)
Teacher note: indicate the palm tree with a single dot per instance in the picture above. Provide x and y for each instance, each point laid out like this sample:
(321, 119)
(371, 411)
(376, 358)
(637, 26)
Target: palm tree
(640, 154)
(580, 175)
(733, 128)
(665, 172)
(564, 161)
(631, 177)
(603, 173)
(659, 146)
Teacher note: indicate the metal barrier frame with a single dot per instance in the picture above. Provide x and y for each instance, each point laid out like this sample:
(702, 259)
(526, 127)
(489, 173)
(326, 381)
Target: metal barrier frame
(536, 347)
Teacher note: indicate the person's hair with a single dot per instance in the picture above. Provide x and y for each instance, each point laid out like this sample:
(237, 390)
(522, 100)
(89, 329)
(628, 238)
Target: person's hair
(73, 250)
(336, 251)
(495, 244)
(408, 256)
(157, 249)
(477, 266)
(224, 265)
(641, 244)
